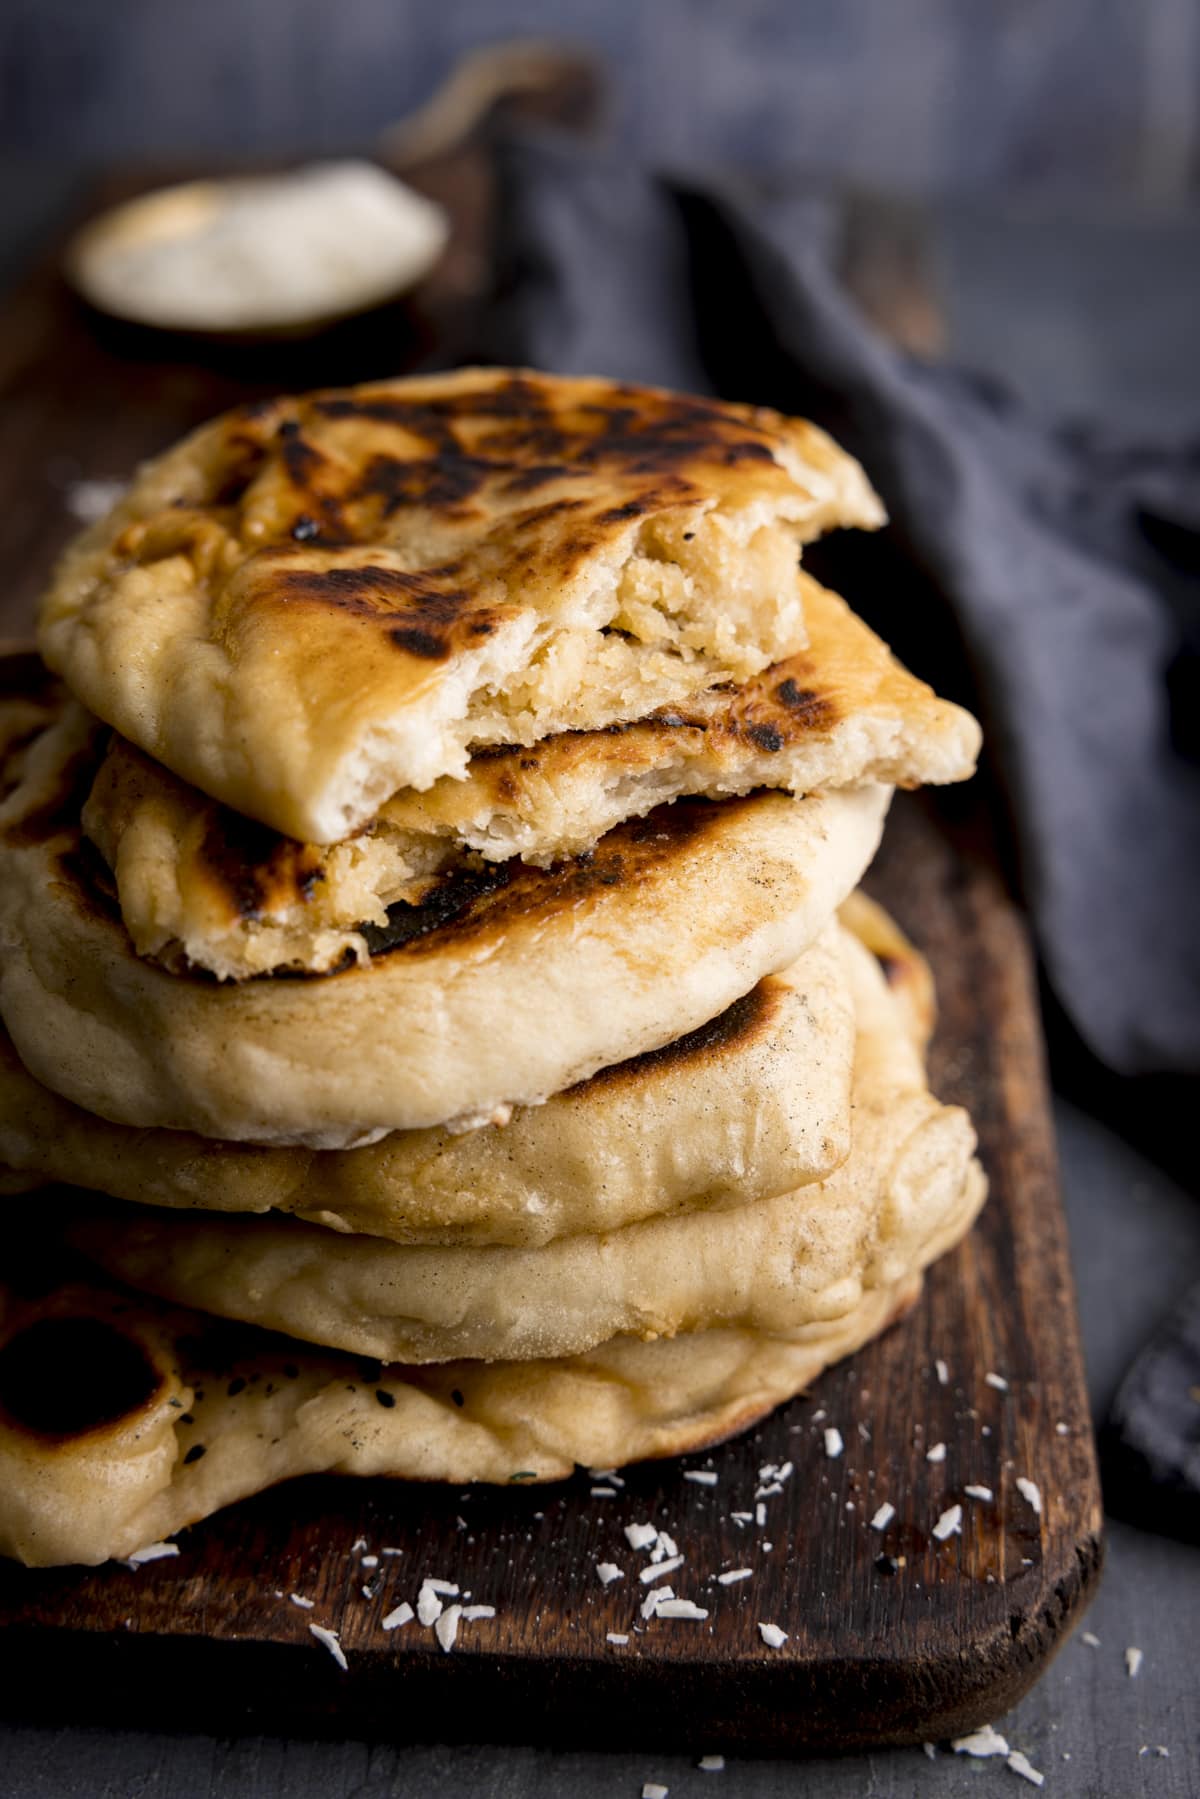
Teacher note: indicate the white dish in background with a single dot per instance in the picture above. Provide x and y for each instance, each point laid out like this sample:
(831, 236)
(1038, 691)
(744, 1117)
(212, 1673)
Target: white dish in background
(260, 253)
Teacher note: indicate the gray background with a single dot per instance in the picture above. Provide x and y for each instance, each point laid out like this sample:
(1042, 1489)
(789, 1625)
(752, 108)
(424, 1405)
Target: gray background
(1079, 96)
(1060, 140)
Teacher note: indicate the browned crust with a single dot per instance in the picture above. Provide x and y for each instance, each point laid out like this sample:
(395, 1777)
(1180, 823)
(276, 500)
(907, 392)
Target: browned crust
(344, 464)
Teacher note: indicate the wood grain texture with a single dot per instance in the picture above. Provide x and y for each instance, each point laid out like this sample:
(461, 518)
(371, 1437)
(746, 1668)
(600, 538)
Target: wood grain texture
(892, 1637)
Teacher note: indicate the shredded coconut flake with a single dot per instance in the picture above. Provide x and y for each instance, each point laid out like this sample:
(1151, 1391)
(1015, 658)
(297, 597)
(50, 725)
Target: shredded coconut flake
(936, 1454)
(1133, 1662)
(654, 1599)
(429, 1606)
(617, 1636)
(733, 1574)
(472, 1613)
(984, 1741)
(833, 1442)
(608, 1572)
(711, 1764)
(1020, 1764)
(658, 1568)
(1028, 1489)
(700, 1477)
(446, 1627)
(949, 1522)
(153, 1552)
(306, 1605)
(370, 1561)
(760, 1513)
(772, 1636)
(403, 1614)
(329, 1640)
(652, 1790)
(640, 1536)
(883, 1516)
(984, 1493)
(90, 499)
(608, 1475)
(943, 1373)
(679, 1608)
(604, 1492)
(996, 1380)
(1091, 1639)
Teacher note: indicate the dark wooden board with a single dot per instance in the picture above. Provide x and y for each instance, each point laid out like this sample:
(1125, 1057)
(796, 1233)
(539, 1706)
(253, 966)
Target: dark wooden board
(891, 1638)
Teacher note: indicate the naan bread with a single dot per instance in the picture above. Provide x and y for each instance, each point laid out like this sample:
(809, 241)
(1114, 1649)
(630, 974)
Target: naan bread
(907, 973)
(105, 1397)
(803, 1258)
(200, 884)
(752, 1104)
(502, 988)
(312, 603)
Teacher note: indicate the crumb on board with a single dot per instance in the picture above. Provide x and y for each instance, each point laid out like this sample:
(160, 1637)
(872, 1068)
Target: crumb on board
(152, 1552)
(982, 1742)
(329, 1640)
(949, 1524)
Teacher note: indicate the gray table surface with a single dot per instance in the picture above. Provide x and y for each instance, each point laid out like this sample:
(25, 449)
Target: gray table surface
(1091, 316)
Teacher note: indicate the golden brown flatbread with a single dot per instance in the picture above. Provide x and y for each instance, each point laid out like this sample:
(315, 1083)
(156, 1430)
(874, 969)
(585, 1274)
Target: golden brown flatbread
(754, 1103)
(802, 1258)
(312, 603)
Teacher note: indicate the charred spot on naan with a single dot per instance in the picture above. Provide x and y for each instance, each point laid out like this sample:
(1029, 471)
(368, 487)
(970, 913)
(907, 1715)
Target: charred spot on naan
(252, 871)
(753, 1016)
(74, 1373)
(471, 905)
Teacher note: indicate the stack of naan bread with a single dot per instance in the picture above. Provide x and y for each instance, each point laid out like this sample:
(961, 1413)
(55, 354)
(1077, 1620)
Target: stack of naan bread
(439, 1009)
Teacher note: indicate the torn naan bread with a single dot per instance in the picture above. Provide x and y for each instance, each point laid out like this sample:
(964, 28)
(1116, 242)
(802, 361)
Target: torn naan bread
(764, 1090)
(312, 603)
(199, 884)
(503, 987)
(805, 1257)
